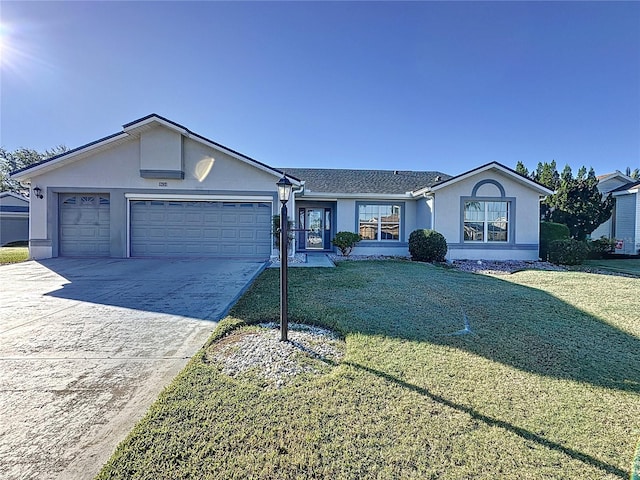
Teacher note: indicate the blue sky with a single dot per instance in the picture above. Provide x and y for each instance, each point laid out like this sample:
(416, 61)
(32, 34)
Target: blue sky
(442, 86)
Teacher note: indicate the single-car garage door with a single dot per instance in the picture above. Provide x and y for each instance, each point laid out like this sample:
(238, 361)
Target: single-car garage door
(200, 228)
(84, 224)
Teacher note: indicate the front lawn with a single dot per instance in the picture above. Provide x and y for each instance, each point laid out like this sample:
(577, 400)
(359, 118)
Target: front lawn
(548, 386)
(13, 254)
(629, 266)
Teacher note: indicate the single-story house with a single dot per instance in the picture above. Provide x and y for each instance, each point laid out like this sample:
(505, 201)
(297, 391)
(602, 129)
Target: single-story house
(14, 218)
(624, 224)
(157, 189)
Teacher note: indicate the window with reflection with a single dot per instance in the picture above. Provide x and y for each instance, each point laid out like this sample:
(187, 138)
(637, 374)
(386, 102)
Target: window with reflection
(379, 222)
(486, 221)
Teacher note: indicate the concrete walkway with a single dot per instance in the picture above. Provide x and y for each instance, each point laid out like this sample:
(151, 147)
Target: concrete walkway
(312, 260)
(87, 345)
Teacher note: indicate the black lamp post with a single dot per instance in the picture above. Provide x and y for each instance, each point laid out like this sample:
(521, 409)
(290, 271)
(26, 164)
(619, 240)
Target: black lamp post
(284, 192)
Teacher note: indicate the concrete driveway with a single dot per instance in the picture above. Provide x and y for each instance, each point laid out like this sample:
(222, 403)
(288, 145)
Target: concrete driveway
(86, 345)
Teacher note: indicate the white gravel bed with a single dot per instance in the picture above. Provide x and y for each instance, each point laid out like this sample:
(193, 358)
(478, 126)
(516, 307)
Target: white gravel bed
(474, 266)
(490, 267)
(355, 258)
(297, 258)
(484, 267)
(259, 351)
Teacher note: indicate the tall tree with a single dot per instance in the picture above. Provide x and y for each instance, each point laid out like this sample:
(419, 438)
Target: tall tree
(547, 174)
(521, 169)
(21, 158)
(633, 174)
(578, 203)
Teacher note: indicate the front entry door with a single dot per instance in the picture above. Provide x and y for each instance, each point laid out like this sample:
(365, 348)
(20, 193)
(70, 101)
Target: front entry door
(314, 228)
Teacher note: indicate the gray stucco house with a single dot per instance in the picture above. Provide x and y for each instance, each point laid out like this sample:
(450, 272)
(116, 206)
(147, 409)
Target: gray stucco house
(624, 224)
(14, 218)
(158, 189)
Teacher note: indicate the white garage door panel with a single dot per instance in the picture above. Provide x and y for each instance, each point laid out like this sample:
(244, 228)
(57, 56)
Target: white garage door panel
(181, 228)
(84, 224)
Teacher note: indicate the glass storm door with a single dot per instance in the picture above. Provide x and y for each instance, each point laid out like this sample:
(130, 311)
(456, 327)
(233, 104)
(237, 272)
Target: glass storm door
(314, 228)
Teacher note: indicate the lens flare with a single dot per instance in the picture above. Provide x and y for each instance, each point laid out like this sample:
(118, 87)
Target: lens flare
(19, 51)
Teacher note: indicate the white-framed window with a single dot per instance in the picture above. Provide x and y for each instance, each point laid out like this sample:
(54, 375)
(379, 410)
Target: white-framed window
(486, 221)
(379, 222)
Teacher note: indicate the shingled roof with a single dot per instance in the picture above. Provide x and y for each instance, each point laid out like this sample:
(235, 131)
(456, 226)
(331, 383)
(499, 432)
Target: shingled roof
(333, 180)
(626, 186)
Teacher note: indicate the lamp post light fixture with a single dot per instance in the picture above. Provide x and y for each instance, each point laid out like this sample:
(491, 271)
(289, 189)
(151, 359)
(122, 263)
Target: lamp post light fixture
(37, 191)
(284, 192)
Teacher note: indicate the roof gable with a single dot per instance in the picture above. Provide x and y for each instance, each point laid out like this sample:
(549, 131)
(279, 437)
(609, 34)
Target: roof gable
(132, 130)
(498, 167)
(13, 202)
(14, 195)
(627, 187)
(617, 174)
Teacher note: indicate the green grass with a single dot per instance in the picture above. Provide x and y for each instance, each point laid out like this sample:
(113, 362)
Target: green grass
(548, 387)
(630, 266)
(13, 254)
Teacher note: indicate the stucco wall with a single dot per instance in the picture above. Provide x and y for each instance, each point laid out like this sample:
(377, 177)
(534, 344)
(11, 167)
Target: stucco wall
(116, 171)
(490, 185)
(160, 150)
(347, 220)
(423, 212)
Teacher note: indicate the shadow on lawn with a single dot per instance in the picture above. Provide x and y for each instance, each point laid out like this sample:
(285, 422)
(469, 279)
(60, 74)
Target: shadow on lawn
(539, 333)
(494, 422)
(513, 324)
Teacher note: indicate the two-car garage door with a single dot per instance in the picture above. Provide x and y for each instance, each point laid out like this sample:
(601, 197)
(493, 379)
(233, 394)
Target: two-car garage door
(200, 228)
(167, 228)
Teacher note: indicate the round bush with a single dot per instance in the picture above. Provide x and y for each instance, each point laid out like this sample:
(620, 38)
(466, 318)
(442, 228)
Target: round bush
(427, 246)
(568, 252)
(600, 247)
(345, 241)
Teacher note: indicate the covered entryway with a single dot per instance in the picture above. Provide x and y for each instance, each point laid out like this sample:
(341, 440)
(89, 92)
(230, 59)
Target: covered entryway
(177, 228)
(84, 224)
(315, 222)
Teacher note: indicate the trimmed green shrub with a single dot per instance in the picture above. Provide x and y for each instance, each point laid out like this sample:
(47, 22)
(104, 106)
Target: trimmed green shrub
(345, 241)
(601, 246)
(568, 252)
(549, 232)
(427, 246)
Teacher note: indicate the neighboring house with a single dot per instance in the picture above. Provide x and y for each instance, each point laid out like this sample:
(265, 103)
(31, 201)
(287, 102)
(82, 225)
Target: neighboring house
(624, 224)
(157, 189)
(14, 218)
